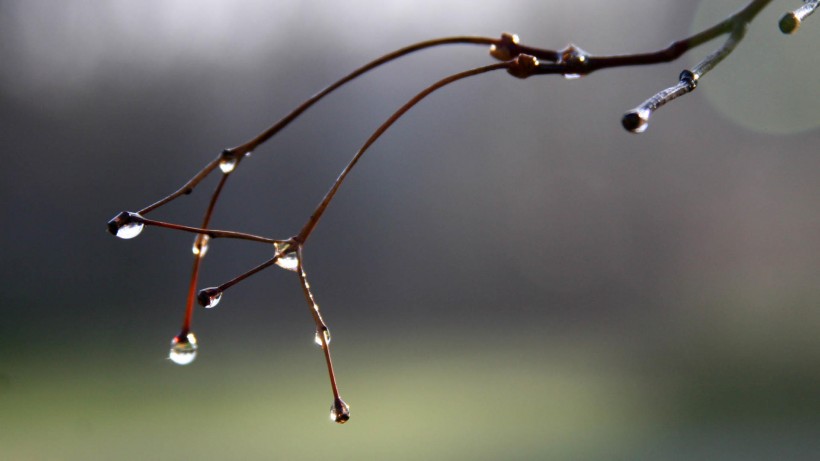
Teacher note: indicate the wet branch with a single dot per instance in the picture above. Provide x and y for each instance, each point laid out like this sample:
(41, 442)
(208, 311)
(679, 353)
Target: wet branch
(521, 61)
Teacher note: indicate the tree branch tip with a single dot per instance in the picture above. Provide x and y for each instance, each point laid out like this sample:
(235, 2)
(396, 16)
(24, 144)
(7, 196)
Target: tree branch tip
(789, 23)
(636, 121)
(209, 297)
(124, 219)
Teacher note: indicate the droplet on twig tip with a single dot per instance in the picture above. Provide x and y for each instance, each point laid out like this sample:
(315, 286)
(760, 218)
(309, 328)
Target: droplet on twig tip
(126, 225)
(209, 297)
(636, 121)
(339, 411)
(789, 23)
(183, 349)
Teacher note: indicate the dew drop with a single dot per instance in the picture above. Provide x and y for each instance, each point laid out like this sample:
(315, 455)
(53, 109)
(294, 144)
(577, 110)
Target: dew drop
(339, 411)
(789, 23)
(318, 337)
(209, 297)
(229, 160)
(637, 121)
(288, 258)
(183, 349)
(126, 225)
(227, 164)
(200, 247)
(574, 58)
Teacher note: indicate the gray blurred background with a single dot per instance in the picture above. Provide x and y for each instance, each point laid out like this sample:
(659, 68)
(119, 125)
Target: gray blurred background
(507, 273)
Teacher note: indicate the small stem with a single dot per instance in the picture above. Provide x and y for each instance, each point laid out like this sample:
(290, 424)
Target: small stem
(287, 119)
(212, 233)
(307, 229)
(189, 306)
(791, 21)
(187, 188)
(317, 318)
(249, 273)
(189, 303)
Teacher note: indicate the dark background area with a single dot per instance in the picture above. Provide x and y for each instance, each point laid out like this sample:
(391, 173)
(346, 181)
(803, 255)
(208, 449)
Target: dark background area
(507, 273)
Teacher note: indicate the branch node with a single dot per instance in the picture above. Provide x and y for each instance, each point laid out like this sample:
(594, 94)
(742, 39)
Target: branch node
(575, 60)
(506, 48)
(228, 161)
(523, 66)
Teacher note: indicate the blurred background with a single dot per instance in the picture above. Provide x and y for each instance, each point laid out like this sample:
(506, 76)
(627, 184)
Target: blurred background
(507, 273)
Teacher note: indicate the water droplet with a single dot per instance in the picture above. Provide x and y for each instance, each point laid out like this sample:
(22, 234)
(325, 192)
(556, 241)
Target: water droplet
(637, 121)
(183, 349)
(200, 247)
(318, 337)
(339, 411)
(227, 164)
(126, 225)
(789, 23)
(229, 160)
(288, 259)
(209, 297)
(574, 58)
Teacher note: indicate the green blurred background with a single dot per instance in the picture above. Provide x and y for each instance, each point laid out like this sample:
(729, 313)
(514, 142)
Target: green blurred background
(507, 274)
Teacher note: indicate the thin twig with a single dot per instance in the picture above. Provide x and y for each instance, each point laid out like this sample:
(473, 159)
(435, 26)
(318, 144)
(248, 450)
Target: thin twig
(637, 120)
(790, 22)
(303, 235)
(200, 249)
(212, 233)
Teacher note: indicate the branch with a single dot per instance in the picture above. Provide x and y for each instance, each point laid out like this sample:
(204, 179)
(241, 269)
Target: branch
(637, 120)
(518, 60)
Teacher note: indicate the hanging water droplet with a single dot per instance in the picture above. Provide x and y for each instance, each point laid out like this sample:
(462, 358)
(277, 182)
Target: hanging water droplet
(318, 337)
(637, 121)
(574, 58)
(227, 164)
(200, 247)
(288, 258)
(789, 23)
(209, 297)
(183, 349)
(126, 225)
(339, 411)
(229, 160)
